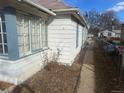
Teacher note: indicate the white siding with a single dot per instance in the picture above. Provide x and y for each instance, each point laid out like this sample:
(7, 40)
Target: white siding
(80, 35)
(62, 35)
(20, 70)
(85, 33)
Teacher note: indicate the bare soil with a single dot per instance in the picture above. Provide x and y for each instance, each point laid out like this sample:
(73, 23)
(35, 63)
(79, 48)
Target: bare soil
(4, 85)
(107, 73)
(55, 78)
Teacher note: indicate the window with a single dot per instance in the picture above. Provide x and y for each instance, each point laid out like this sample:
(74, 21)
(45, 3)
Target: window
(44, 34)
(23, 34)
(36, 33)
(3, 39)
(31, 33)
(109, 34)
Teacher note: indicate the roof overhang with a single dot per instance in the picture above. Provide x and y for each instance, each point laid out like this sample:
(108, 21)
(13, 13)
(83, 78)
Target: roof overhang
(38, 6)
(75, 12)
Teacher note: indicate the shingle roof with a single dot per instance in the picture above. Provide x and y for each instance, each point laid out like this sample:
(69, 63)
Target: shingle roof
(52, 4)
(58, 4)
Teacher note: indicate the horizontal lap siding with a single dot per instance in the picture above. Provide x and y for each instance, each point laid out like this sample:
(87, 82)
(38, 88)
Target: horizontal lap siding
(84, 34)
(61, 35)
(76, 50)
(80, 36)
(83, 37)
(20, 70)
(74, 29)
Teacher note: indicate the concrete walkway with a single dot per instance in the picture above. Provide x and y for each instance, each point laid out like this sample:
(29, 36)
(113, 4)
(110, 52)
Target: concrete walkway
(87, 81)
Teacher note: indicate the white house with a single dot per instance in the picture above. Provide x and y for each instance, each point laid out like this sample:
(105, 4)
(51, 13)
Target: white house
(31, 29)
(117, 33)
(107, 33)
(67, 31)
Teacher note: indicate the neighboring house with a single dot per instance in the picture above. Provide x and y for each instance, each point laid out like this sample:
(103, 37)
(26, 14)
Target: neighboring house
(117, 33)
(106, 33)
(29, 31)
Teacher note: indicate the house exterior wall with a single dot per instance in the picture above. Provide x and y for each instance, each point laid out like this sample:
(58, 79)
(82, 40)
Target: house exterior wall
(85, 34)
(65, 34)
(10, 28)
(13, 29)
(80, 38)
(117, 33)
(13, 68)
(20, 70)
(61, 36)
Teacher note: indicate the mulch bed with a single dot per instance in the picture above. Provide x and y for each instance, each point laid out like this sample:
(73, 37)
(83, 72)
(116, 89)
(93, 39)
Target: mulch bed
(4, 85)
(55, 78)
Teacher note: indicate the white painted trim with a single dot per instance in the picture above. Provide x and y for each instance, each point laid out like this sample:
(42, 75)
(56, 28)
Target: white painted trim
(75, 12)
(65, 10)
(30, 37)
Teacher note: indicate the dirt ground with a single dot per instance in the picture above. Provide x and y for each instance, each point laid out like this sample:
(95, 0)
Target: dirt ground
(54, 78)
(99, 73)
(4, 85)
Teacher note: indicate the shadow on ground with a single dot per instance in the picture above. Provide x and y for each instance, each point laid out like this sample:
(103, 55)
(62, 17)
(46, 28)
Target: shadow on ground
(106, 72)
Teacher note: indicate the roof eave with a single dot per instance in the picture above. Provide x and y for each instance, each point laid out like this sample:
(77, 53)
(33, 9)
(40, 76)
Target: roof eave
(38, 6)
(66, 10)
(75, 12)
(83, 19)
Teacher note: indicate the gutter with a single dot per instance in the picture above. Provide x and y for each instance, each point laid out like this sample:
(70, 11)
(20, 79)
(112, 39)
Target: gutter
(38, 6)
(66, 10)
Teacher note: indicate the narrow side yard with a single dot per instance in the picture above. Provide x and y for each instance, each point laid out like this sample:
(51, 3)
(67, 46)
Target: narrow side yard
(99, 73)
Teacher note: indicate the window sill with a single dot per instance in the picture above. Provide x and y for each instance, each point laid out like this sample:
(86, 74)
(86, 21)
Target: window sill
(34, 52)
(45, 48)
(4, 57)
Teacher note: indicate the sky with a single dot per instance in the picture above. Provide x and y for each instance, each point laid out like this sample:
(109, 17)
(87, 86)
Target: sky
(100, 6)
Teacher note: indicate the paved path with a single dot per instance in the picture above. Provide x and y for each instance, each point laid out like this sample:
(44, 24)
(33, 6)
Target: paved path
(87, 81)
(99, 74)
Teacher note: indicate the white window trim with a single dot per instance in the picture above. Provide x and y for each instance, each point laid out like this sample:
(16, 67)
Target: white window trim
(31, 51)
(2, 37)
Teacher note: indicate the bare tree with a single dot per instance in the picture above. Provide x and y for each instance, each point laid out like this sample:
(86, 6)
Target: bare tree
(98, 22)
(109, 20)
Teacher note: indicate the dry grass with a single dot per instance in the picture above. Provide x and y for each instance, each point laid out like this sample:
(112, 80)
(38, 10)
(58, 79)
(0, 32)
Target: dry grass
(54, 78)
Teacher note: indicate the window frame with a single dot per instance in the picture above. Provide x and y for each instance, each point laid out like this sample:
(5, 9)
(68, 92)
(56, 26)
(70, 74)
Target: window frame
(77, 35)
(2, 33)
(41, 43)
